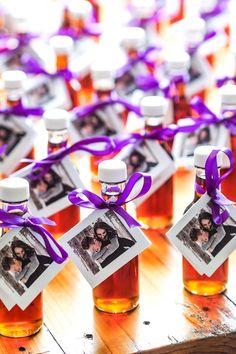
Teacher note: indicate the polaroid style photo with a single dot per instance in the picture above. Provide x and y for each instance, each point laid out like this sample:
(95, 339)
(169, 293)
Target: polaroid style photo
(106, 121)
(185, 143)
(48, 193)
(218, 42)
(149, 157)
(101, 244)
(203, 243)
(18, 135)
(200, 75)
(25, 266)
(43, 91)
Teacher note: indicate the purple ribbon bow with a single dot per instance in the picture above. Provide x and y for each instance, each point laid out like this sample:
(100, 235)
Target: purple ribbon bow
(147, 83)
(41, 167)
(22, 111)
(83, 111)
(220, 82)
(219, 202)
(220, 7)
(56, 252)
(11, 44)
(95, 202)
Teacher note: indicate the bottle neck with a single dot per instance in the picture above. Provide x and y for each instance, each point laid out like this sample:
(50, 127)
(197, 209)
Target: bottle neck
(103, 95)
(62, 61)
(111, 191)
(153, 123)
(132, 53)
(19, 208)
(200, 179)
(77, 23)
(57, 139)
(13, 98)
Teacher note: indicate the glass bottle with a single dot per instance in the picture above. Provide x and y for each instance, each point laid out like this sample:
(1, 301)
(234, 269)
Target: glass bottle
(13, 85)
(153, 212)
(63, 47)
(119, 293)
(80, 12)
(193, 281)
(57, 122)
(228, 102)
(14, 195)
(177, 65)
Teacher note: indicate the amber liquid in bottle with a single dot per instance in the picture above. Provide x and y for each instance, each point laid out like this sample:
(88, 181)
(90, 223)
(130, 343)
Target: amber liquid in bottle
(180, 103)
(68, 217)
(202, 284)
(228, 184)
(119, 293)
(157, 210)
(16, 322)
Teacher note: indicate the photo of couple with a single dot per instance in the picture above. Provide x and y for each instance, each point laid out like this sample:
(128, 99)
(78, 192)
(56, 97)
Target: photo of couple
(54, 185)
(205, 237)
(100, 243)
(10, 136)
(22, 261)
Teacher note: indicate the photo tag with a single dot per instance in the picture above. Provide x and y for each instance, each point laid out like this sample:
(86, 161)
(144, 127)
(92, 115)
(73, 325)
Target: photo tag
(149, 157)
(200, 75)
(25, 266)
(103, 121)
(9, 302)
(211, 46)
(48, 93)
(184, 144)
(18, 135)
(101, 244)
(48, 193)
(203, 243)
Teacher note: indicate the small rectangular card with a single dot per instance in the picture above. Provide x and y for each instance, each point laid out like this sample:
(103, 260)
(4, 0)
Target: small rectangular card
(101, 244)
(203, 243)
(48, 194)
(25, 266)
(18, 135)
(150, 157)
(103, 121)
(185, 143)
(43, 91)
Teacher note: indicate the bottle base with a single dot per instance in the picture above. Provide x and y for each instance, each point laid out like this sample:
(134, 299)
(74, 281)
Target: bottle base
(21, 330)
(204, 288)
(155, 222)
(115, 306)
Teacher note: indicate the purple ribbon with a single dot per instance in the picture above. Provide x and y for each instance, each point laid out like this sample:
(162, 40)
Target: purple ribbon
(208, 36)
(41, 167)
(157, 16)
(32, 66)
(23, 112)
(83, 111)
(10, 44)
(91, 30)
(147, 83)
(220, 7)
(8, 220)
(93, 201)
(213, 181)
(144, 57)
(220, 82)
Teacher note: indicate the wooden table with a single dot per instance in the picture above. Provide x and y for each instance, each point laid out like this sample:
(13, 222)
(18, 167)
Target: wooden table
(168, 320)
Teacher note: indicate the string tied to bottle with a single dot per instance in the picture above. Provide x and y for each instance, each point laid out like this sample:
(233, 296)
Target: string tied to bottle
(86, 199)
(9, 220)
(21, 111)
(98, 146)
(219, 203)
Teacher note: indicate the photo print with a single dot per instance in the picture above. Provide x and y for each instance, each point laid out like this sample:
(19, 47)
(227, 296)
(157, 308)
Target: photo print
(203, 243)
(25, 266)
(18, 137)
(48, 193)
(185, 143)
(106, 121)
(46, 92)
(101, 244)
(149, 157)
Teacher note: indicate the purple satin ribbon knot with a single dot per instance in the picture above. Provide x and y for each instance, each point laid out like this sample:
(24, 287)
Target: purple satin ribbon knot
(39, 168)
(23, 112)
(219, 203)
(93, 201)
(56, 252)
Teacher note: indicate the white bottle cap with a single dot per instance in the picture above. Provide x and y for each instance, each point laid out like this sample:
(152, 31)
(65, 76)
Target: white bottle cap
(80, 9)
(133, 38)
(14, 189)
(103, 84)
(56, 119)
(207, 5)
(201, 154)
(102, 70)
(143, 8)
(112, 171)
(61, 44)
(13, 79)
(194, 29)
(19, 21)
(153, 106)
(228, 95)
(178, 61)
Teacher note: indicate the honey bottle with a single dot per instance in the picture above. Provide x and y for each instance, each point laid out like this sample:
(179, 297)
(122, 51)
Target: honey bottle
(14, 195)
(57, 122)
(119, 293)
(193, 281)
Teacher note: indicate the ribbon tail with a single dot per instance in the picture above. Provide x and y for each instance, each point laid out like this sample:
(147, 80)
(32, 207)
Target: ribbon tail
(130, 221)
